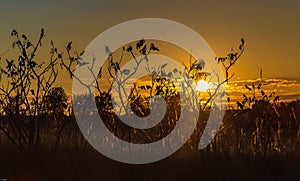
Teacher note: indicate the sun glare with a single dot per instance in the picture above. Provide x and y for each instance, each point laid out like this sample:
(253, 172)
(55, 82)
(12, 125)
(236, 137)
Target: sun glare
(202, 85)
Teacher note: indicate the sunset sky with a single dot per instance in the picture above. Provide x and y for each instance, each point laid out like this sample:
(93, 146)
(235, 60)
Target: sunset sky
(270, 28)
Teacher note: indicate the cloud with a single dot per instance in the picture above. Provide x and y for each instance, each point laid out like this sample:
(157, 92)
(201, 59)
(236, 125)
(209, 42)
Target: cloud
(287, 89)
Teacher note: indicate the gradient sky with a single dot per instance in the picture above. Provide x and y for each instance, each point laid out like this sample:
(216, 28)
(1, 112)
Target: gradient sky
(271, 28)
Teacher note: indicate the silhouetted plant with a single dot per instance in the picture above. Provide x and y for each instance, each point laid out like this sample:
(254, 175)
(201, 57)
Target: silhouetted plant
(26, 86)
(56, 101)
(32, 109)
(228, 61)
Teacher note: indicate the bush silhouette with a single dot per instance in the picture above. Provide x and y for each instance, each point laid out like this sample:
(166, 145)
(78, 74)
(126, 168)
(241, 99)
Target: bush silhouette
(37, 115)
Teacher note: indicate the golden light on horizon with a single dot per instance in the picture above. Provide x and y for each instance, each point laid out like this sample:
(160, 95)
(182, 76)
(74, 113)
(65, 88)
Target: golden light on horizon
(202, 85)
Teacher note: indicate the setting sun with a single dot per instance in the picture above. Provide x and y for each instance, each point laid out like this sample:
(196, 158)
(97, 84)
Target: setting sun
(202, 85)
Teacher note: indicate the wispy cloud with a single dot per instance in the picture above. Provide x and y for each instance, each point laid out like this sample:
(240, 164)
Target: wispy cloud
(286, 89)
